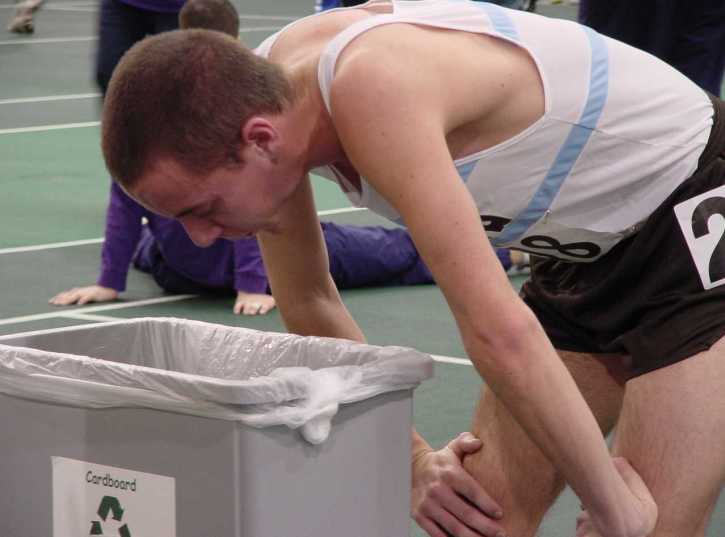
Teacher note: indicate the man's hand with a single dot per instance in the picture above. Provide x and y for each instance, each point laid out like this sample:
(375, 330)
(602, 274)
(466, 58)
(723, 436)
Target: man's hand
(447, 500)
(84, 295)
(253, 303)
(642, 521)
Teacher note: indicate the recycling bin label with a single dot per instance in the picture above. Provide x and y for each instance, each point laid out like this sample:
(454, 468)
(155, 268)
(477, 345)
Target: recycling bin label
(95, 500)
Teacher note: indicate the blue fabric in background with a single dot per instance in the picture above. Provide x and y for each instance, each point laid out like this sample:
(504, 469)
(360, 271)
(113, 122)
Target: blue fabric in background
(687, 34)
(322, 5)
(157, 6)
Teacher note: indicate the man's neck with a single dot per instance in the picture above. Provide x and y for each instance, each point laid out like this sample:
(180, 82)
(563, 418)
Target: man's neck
(311, 129)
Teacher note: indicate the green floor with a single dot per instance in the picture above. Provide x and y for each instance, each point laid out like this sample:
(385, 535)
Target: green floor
(55, 193)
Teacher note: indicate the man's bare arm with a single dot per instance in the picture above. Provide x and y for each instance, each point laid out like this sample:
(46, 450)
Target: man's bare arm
(297, 265)
(392, 119)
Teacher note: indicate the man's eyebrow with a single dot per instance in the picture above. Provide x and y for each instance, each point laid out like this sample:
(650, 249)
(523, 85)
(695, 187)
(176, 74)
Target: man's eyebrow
(184, 212)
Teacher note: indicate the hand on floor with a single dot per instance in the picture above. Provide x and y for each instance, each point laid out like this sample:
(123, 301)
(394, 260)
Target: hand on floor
(84, 295)
(253, 303)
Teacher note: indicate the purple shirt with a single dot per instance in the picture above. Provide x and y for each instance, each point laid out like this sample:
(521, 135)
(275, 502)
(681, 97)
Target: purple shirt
(159, 6)
(225, 264)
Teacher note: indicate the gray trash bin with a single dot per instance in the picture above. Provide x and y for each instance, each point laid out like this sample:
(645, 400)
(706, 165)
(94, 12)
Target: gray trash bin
(177, 428)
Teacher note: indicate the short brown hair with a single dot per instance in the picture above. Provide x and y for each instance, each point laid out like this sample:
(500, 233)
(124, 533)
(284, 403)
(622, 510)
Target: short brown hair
(219, 15)
(185, 95)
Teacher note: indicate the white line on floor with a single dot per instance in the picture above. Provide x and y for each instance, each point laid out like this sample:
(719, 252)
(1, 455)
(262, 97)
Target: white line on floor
(260, 29)
(47, 40)
(93, 309)
(92, 6)
(49, 98)
(44, 331)
(43, 128)
(72, 9)
(249, 16)
(341, 211)
(51, 4)
(89, 317)
(50, 246)
(451, 360)
(53, 245)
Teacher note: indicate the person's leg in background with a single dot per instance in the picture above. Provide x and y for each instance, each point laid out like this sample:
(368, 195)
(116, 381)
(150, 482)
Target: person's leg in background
(165, 21)
(373, 255)
(148, 258)
(698, 49)
(619, 19)
(119, 27)
(22, 22)
(687, 34)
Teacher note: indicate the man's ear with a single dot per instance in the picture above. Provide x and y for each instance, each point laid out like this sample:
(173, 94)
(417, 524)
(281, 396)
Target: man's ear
(259, 134)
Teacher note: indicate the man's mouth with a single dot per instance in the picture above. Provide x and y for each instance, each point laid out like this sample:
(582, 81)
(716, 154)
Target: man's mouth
(238, 235)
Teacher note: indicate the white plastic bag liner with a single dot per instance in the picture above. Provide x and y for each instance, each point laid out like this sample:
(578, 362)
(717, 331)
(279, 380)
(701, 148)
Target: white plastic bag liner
(258, 378)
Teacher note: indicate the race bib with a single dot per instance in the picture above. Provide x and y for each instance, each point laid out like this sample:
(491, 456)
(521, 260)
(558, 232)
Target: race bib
(702, 220)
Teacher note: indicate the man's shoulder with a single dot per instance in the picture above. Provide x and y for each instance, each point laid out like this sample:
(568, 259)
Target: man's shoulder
(382, 60)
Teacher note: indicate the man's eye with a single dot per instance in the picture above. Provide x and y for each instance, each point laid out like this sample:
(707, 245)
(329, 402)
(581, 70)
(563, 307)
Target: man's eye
(203, 211)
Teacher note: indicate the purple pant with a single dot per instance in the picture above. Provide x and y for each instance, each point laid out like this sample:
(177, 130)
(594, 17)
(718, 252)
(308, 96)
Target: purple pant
(360, 256)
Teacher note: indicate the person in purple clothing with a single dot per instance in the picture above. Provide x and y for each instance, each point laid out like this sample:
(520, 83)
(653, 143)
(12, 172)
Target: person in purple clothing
(359, 256)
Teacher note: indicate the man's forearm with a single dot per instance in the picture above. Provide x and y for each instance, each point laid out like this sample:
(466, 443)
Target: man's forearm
(538, 390)
(321, 317)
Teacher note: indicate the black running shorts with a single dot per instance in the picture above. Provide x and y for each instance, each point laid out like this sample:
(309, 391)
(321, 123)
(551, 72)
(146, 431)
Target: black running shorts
(658, 296)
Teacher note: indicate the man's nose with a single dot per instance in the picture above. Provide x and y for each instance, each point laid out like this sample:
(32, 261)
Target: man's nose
(201, 233)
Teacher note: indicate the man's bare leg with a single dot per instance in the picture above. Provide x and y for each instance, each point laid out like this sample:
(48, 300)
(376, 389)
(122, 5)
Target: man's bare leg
(672, 430)
(512, 469)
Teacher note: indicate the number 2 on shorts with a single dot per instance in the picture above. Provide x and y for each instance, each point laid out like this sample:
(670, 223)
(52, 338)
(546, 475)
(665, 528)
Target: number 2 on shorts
(705, 236)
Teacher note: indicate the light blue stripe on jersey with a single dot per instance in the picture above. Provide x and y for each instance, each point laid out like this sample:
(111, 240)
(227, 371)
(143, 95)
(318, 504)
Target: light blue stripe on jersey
(500, 20)
(502, 24)
(573, 145)
(464, 170)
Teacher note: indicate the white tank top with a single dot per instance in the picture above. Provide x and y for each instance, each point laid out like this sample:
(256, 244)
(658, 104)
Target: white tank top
(620, 131)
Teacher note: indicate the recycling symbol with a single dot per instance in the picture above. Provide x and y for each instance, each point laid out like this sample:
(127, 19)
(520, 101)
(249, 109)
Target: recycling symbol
(109, 504)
